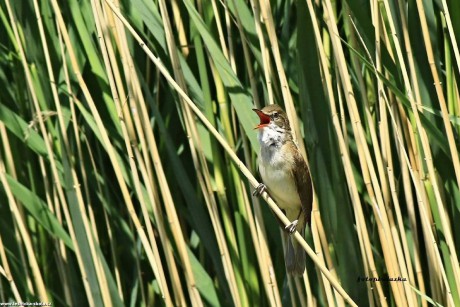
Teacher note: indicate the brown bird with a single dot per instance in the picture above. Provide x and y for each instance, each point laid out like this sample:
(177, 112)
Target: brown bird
(286, 178)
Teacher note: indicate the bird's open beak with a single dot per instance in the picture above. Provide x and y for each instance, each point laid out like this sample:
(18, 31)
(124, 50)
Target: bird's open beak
(264, 119)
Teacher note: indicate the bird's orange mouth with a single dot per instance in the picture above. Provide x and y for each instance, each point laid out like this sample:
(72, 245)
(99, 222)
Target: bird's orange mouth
(264, 119)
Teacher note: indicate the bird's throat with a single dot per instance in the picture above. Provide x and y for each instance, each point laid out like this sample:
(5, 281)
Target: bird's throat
(272, 136)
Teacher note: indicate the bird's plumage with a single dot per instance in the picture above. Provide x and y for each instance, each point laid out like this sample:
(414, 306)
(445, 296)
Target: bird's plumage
(286, 176)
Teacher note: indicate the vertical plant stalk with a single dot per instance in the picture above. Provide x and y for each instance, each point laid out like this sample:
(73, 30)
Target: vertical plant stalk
(386, 147)
(388, 187)
(61, 247)
(234, 269)
(91, 235)
(128, 118)
(247, 56)
(40, 285)
(445, 11)
(325, 283)
(327, 255)
(426, 150)
(146, 139)
(418, 172)
(5, 267)
(444, 114)
(405, 157)
(231, 271)
(196, 150)
(32, 260)
(259, 237)
(452, 146)
(218, 171)
(453, 43)
(368, 170)
(265, 53)
(9, 168)
(288, 102)
(180, 29)
(106, 48)
(151, 253)
(366, 249)
(220, 31)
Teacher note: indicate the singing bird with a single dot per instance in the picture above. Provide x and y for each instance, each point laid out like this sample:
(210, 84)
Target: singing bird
(285, 178)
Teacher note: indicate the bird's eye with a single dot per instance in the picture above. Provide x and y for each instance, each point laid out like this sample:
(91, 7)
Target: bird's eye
(275, 115)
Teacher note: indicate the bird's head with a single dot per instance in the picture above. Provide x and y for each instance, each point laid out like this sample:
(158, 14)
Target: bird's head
(274, 117)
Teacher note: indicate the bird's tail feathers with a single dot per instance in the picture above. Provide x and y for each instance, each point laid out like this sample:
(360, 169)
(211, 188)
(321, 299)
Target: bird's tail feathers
(294, 254)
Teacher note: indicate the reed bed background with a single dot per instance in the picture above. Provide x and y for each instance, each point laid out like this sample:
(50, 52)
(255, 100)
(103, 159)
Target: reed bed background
(127, 155)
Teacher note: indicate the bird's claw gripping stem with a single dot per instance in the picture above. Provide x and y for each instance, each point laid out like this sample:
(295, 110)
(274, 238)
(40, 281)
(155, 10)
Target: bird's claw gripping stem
(259, 190)
(291, 227)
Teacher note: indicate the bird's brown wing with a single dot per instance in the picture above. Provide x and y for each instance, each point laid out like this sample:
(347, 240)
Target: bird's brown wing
(303, 184)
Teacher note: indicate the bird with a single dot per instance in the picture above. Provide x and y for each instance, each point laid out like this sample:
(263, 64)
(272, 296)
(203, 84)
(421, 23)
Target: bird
(286, 178)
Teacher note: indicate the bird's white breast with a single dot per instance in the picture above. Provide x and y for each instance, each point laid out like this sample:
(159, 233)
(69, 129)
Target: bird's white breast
(275, 166)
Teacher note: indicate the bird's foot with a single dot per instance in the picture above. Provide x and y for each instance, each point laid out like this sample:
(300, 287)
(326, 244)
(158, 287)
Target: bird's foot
(259, 190)
(291, 227)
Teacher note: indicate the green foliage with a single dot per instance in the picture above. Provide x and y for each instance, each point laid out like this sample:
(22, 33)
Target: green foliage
(117, 192)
